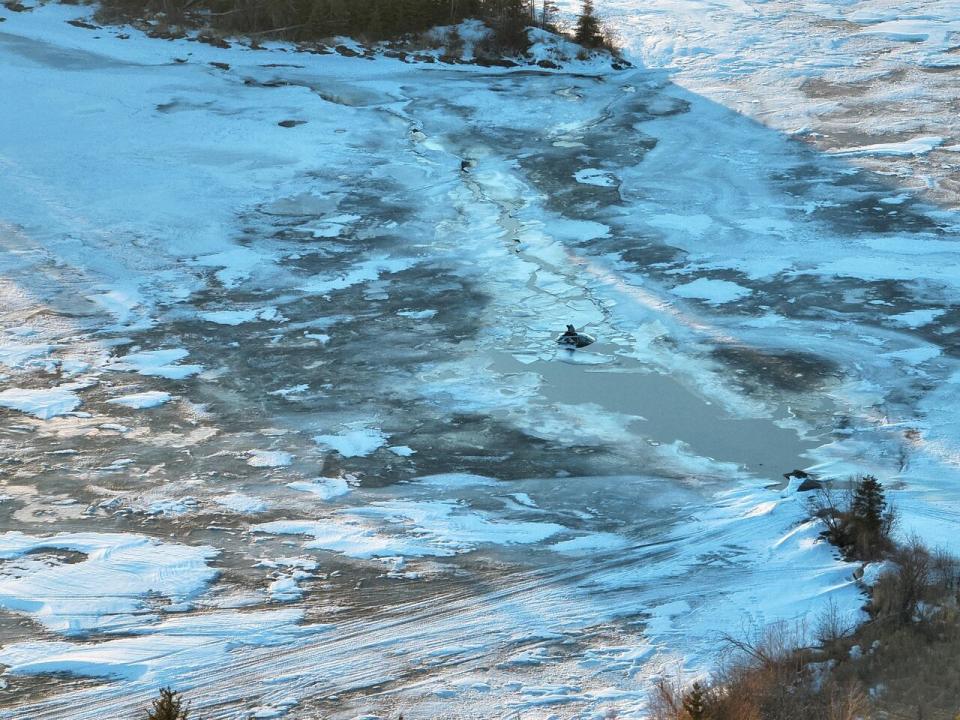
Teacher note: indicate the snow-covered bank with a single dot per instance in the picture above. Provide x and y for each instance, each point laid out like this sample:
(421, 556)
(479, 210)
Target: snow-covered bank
(293, 316)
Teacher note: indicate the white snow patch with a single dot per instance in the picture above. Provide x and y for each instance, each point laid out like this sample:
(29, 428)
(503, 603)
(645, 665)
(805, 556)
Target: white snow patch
(715, 292)
(238, 317)
(269, 458)
(916, 146)
(42, 403)
(596, 177)
(916, 318)
(323, 488)
(142, 401)
(108, 589)
(241, 503)
(157, 363)
(354, 443)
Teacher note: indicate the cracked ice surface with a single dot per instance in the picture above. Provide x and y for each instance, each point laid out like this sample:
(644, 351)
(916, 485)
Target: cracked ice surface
(282, 406)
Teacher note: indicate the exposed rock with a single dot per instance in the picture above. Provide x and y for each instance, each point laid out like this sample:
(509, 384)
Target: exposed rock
(810, 484)
(291, 123)
(218, 42)
(85, 25)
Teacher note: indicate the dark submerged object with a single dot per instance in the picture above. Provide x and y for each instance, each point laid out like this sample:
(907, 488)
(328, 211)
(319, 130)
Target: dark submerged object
(573, 339)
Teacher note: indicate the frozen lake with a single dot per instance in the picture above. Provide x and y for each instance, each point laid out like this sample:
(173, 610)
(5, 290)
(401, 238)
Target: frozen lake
(282, 419)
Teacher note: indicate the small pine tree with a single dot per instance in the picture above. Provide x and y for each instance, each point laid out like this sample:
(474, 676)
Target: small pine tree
(169, 706)
(695, 702)
(869, 504)
(589, 33)
(870, 518)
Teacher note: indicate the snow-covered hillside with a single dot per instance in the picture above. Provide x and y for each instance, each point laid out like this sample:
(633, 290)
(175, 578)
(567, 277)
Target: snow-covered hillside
(282, 420)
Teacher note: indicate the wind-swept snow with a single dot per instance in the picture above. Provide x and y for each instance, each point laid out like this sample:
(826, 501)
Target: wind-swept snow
(107, 589)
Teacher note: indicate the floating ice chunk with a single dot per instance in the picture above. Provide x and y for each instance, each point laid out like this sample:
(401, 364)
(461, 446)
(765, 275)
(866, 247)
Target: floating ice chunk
(596, 177)
(285, 589)
(915, 356)
(594, 542)
(170, 506)
(108, 588)
(916, 318)
(236, 264)
(523, 499)
(42, 403)
(16, 354)
(121, 304)
(238, 317)
(141, 401)
(240, 503)
(401, 450)
(453, 525)
(695, 225)
(916, 146)
(715, 292)
(354, 443)
(362, 272)
(455, 480)
(288, 391)
(157, 363)
(417, 314)
(269, 458)
(352, 539)
(323, 488)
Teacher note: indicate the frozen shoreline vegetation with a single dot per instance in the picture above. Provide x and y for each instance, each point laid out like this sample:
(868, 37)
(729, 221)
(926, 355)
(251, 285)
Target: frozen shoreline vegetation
(280, 394)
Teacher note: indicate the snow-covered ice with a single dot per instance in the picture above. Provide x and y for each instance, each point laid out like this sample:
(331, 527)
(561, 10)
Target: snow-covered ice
(378, 462)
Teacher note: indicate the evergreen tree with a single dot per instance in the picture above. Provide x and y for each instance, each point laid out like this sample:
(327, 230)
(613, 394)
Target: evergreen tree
(169, 706)
(695, 702)
(869, 505)
(870, 519)
(589, 33)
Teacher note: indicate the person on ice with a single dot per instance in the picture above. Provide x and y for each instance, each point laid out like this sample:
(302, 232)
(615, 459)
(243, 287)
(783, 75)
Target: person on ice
(572, 338)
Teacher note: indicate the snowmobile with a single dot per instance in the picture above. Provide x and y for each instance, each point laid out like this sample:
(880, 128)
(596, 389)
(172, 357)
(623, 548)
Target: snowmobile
(571, 338)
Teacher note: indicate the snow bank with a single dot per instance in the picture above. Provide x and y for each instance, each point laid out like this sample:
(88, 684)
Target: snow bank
(162, 653)
(108, 589)
(41, 403)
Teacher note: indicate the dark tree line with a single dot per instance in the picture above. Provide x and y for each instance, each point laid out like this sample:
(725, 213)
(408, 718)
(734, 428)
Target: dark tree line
(374, 20)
